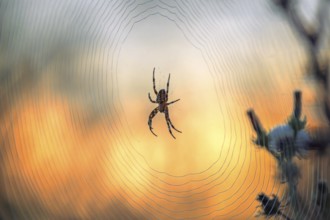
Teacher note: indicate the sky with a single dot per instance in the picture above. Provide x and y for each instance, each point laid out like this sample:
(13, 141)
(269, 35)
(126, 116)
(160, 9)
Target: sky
(75, 78)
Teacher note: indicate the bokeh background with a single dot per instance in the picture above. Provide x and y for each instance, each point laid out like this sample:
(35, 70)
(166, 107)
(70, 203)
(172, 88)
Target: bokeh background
(74, 83)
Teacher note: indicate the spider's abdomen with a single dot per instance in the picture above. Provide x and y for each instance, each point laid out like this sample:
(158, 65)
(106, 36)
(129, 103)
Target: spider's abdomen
(161, 96)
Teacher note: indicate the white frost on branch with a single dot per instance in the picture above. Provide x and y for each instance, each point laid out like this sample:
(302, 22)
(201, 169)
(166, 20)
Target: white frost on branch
(284, 141)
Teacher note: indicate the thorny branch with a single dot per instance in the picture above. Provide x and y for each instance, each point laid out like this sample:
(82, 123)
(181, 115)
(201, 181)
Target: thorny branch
(290, 137)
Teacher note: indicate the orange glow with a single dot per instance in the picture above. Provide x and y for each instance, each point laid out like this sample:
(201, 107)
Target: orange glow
(67, 168)
(59, 164)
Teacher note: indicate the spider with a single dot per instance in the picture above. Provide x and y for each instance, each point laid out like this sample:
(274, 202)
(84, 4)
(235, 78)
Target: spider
(271, 207)
(161, 100)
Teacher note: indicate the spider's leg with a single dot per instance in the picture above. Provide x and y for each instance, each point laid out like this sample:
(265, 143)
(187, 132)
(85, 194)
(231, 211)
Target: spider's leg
(151, 99)
(172, 102)
(169, 127)
(167, 116)
(153, 81)
(152, 114)
(168, 83)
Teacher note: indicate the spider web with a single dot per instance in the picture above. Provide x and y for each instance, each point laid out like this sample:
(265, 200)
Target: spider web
(75, 76)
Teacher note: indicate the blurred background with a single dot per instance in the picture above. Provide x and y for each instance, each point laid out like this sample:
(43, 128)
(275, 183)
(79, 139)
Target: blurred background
(74, 83)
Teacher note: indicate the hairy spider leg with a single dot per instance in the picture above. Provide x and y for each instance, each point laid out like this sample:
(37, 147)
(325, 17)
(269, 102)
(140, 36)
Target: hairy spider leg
(172, 102)
(169, 126)
(168, 83)
(152, 114)
(151, 99)
(167, 116)
(153, 81)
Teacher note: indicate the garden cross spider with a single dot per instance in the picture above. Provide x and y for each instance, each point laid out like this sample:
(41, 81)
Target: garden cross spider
(161, 100)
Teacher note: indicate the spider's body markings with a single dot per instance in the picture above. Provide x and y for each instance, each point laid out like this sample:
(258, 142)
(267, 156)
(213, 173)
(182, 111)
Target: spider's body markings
(161, 100)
